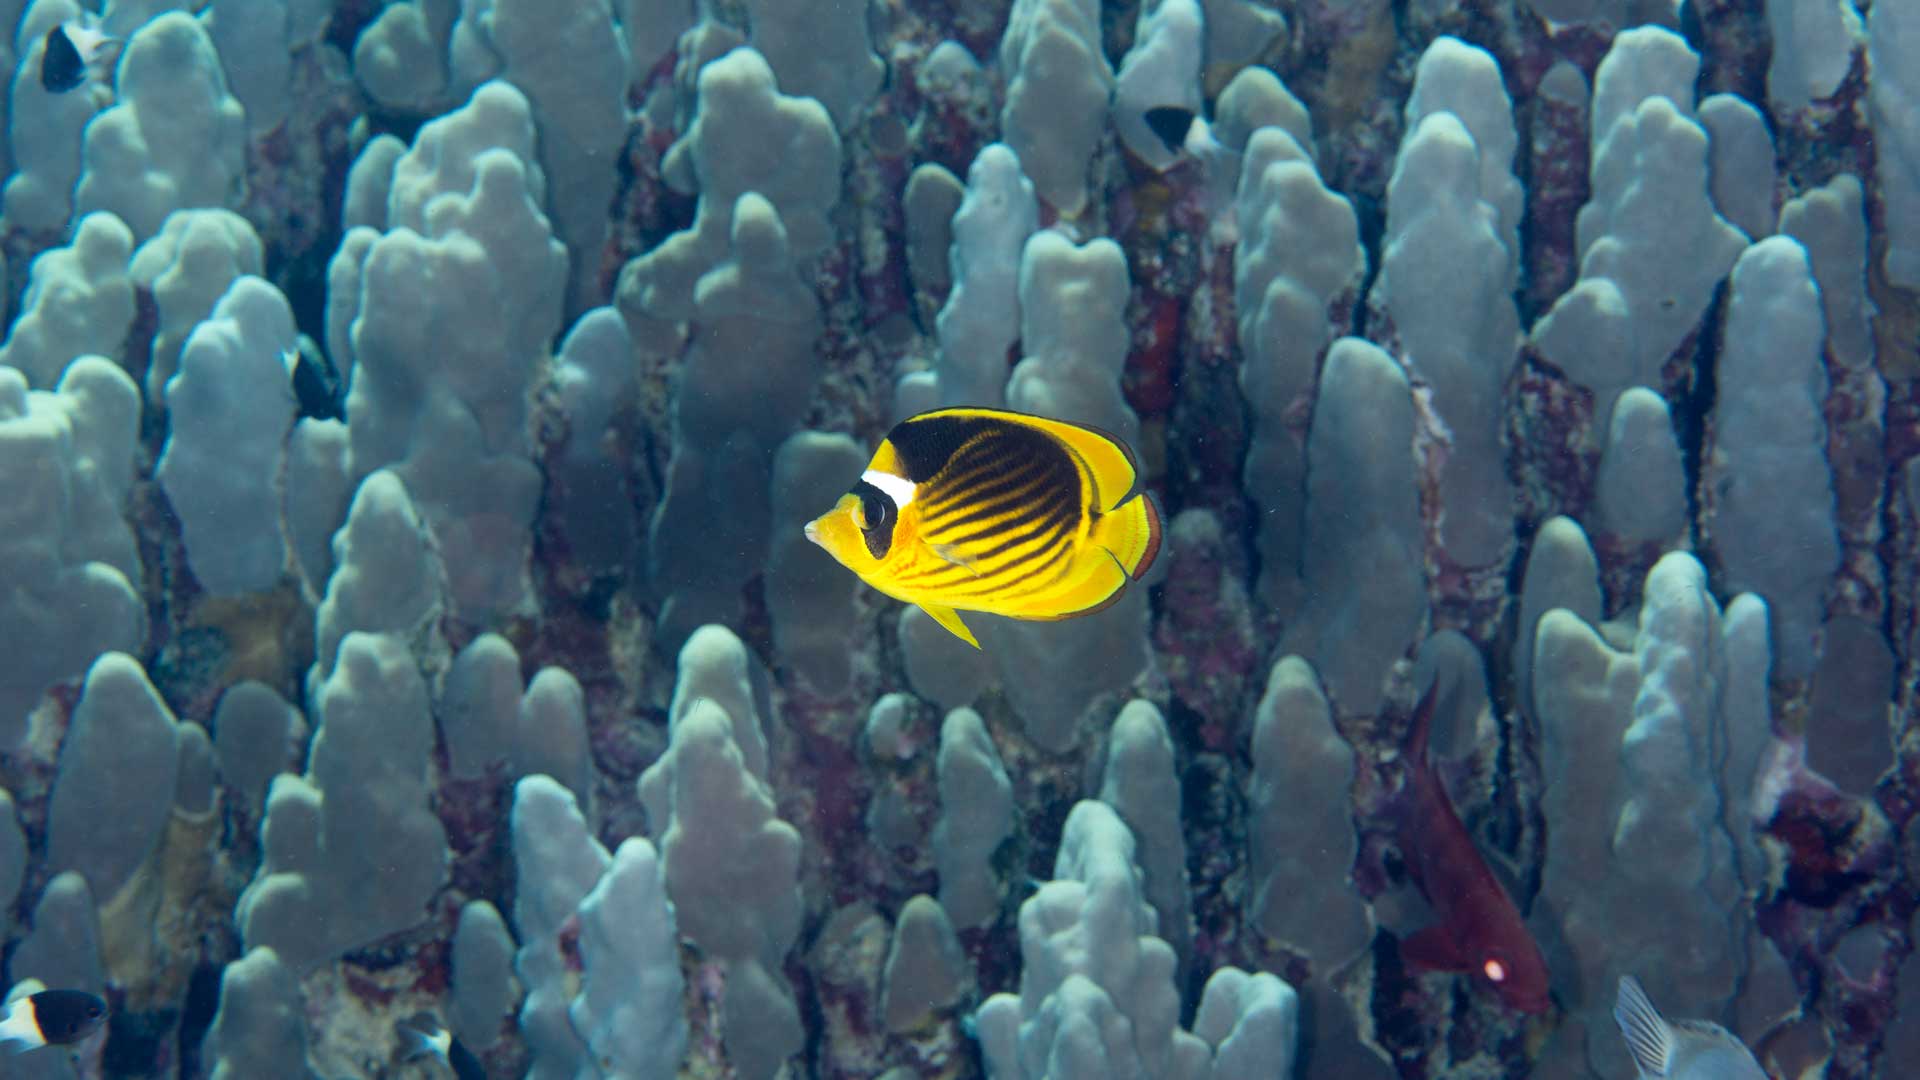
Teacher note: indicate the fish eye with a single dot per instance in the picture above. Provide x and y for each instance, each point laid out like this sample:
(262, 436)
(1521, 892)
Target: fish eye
(1495, 970)
(873, 512)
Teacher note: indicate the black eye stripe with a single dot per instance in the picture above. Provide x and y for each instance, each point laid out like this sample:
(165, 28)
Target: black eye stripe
(881, 513)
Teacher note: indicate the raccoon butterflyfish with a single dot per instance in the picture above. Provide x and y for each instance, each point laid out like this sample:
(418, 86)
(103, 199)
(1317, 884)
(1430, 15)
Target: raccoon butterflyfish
(989, 510)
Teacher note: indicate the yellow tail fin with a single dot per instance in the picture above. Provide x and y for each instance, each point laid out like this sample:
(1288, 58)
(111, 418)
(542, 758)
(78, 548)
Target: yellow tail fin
(1132, 532)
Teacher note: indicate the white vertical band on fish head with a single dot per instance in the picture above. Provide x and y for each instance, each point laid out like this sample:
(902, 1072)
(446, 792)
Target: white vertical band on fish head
(898, 488)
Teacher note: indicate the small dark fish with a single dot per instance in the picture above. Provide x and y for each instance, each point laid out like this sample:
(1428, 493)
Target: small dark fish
(1691, 26)
(51, 1018)
(316, 385)
(1170, 123)
(62, 68)
(423, 1035)
(70, 54)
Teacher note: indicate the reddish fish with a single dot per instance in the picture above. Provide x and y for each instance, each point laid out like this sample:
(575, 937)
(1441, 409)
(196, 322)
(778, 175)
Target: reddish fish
(1480, 931)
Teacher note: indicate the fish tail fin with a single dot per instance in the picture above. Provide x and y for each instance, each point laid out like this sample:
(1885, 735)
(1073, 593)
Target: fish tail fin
(413, 1043)
(19, 1032)
(1132, 531)
(420, 1035)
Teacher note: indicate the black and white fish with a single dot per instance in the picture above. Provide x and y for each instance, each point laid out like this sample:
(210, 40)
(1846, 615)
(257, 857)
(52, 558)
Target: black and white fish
(423, 1035)
(51, 1018)
(68, 56)
(1171, 125)
(317, 389)
(1188, 136)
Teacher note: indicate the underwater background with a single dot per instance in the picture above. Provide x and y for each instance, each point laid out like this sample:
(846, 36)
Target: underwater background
(1560, 355)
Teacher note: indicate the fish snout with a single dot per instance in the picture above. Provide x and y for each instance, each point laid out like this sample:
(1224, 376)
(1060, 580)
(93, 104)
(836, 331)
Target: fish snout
(812, 530)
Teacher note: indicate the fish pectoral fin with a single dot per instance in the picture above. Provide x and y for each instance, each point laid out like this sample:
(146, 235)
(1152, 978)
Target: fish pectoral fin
(950, 619)
(1649, 1036)
(1434, 949)
(951, 553)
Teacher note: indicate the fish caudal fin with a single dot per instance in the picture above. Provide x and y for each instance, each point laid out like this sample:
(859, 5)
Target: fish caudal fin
(19, 1030)
(1132, 532)
(950, 619)
(1649, 1036)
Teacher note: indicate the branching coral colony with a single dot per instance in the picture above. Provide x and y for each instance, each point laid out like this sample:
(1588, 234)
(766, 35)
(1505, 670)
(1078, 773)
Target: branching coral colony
(1553, 361)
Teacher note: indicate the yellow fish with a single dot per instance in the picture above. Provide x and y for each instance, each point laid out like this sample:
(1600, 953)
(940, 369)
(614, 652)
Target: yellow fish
(997, 511)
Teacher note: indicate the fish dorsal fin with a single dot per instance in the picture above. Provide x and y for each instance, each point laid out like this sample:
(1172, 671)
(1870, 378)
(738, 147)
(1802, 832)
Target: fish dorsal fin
(1115, 473)
(1704, 1029)
(1714, 1039)
(922, 444)
(1116, 476)
(1649, 1036)
(950, 619)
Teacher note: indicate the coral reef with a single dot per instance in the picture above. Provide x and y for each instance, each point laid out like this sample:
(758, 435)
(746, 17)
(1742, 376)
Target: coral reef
(1558, 355)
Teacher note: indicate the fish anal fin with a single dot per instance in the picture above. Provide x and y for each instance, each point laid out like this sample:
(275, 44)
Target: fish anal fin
(1435, 949)
(1096, 583)
(1649, 1037)
(950, 619)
